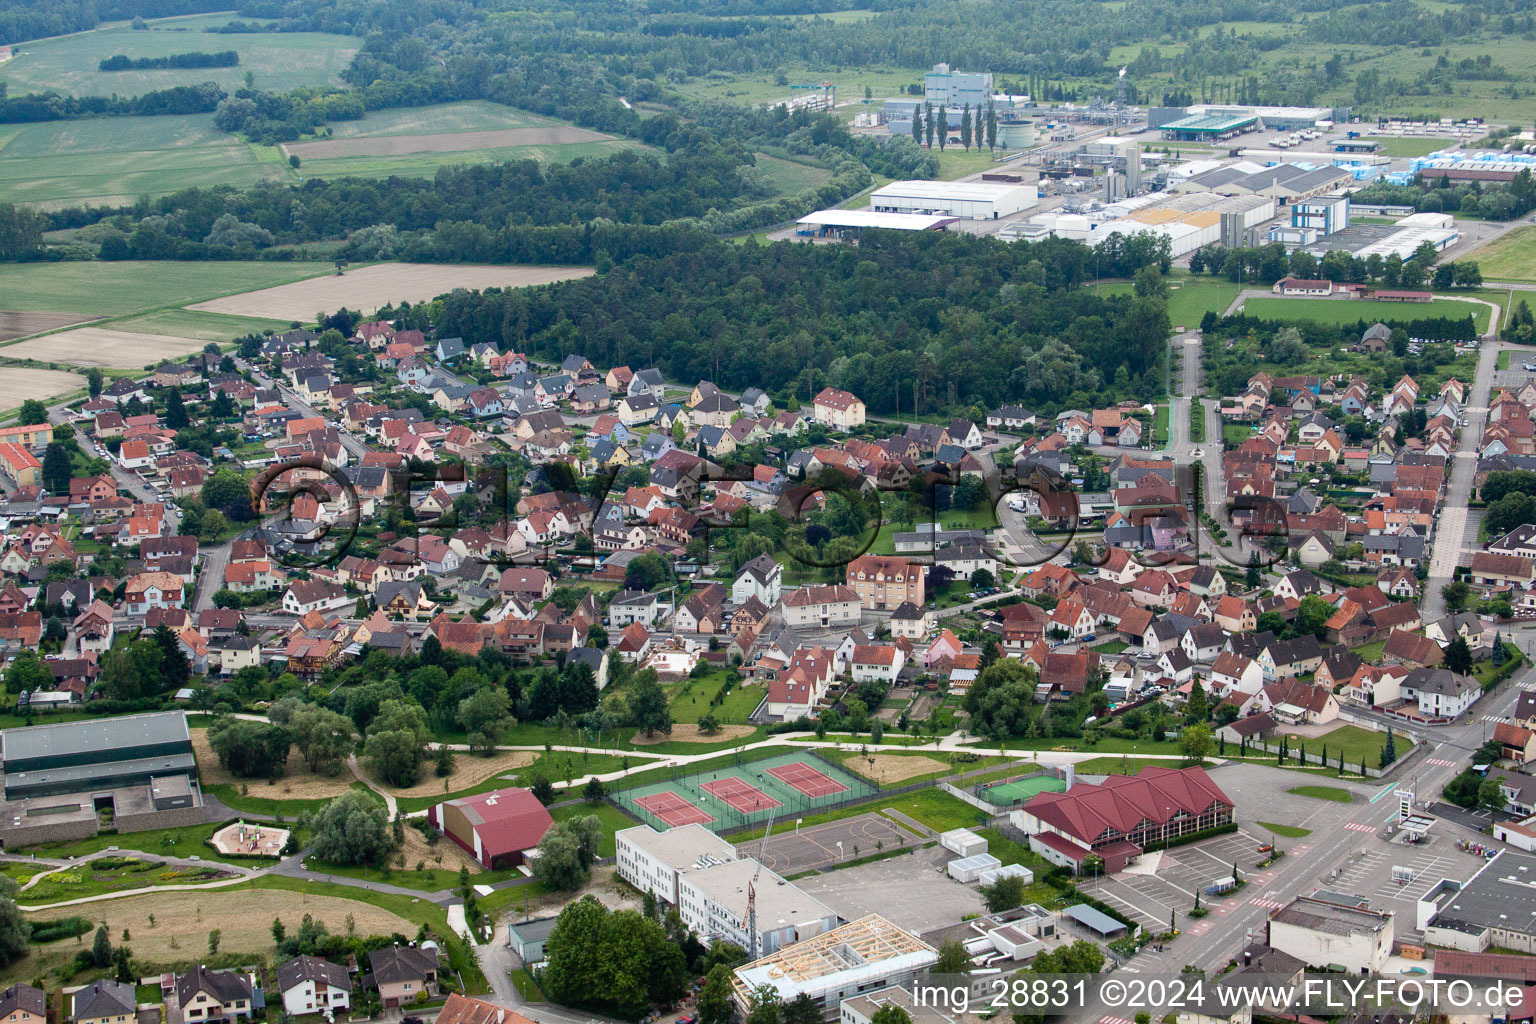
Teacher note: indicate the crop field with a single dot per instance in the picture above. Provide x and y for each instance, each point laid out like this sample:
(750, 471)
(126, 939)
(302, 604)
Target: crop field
(96, 289)
(368, 288)
(468, 116)
(19, 383)
(114, 161)
(1348, 311)
(204, 327)
(1510, 257)
(443, 142)
(19, 325)
(100, 346)
(118, 159)
(280, 61)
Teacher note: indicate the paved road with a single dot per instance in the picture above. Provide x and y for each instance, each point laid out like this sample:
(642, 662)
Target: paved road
(1451, 526)
(1332, 845)
(210, 576)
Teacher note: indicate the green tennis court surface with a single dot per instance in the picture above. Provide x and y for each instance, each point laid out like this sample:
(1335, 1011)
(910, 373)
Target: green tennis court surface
(784, 786)
(1017, 791)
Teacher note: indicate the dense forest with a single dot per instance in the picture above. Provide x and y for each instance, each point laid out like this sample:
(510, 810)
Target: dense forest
(911, 322)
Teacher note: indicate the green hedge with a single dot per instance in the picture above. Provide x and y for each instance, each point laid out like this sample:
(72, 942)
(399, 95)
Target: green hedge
(1206, 833)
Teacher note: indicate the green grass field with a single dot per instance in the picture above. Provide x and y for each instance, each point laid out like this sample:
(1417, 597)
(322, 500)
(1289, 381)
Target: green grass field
(1189, 296)
(1334, 793)
(118, 159)
(421, 165)
(1357, 744)
(1348, 311)
(1288, 831)
(1510, 257)
(1409, 147)
(469, 116)
(131, 286)
(789, 176)
(280, 61)
(188, 323)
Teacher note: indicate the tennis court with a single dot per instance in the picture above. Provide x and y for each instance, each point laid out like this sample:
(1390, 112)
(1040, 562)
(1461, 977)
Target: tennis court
(1018, 790)
(673, 809)
(787, 785)
(740, 794)
(808, 780)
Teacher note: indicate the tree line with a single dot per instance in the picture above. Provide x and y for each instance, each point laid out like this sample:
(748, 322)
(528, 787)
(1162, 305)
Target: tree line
(123, 62)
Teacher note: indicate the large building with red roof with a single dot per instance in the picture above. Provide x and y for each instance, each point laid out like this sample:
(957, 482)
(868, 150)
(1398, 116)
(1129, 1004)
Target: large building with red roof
(1123, 816)
(496, 828)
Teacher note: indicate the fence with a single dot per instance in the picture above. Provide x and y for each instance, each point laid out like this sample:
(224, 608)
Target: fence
(1292, 754)
(871, 794)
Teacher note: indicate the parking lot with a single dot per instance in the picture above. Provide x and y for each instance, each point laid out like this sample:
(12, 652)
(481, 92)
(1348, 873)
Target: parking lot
(1163, 882)
(913, 892)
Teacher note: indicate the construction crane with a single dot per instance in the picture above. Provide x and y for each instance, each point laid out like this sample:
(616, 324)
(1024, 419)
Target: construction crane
(751, 922)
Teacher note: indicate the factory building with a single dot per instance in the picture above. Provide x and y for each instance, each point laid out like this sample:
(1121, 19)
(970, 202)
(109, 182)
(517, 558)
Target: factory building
(1282, 118)
(1209, 127)
(1284, 183)
(846, 224)
(972, 200)
(944, 87)
(1189, 221)
(1323, 214)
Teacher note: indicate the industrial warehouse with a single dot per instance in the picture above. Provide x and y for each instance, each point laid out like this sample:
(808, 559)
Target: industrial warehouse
(973, 200)
(68, 780)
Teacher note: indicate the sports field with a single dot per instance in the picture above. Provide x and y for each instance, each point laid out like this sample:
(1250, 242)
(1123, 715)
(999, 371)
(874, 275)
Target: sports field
(280, 60)
(783, 786)
(1010, 792)
(1348, 311)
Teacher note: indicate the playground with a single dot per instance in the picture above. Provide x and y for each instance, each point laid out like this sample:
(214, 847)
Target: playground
(786, 785)
(1019, 789)
(250, 840)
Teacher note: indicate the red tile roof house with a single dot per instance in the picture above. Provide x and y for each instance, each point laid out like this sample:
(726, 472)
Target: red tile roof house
(1118, 819)
(496, 828)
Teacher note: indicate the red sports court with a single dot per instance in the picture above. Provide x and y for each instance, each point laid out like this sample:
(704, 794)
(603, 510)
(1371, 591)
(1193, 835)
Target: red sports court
(740, 794)
(673, 809)
(806, 779)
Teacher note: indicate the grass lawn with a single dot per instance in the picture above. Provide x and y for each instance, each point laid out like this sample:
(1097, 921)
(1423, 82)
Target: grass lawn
(280, 60)
(1348, 311)
(934, 808)
(1410, 146)
(612, 818)
(97, 289)
(286, 810)
(1357, 744)
(1160, 425)
(1370, 653)
(558, 766)
(105, 875)
(789, 177)
(955, 162)
(1234, 434)
(1288, 831)
(1510, 257)
(690, 699)
(1122, 765)
(186, 841)
(1334, 793)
